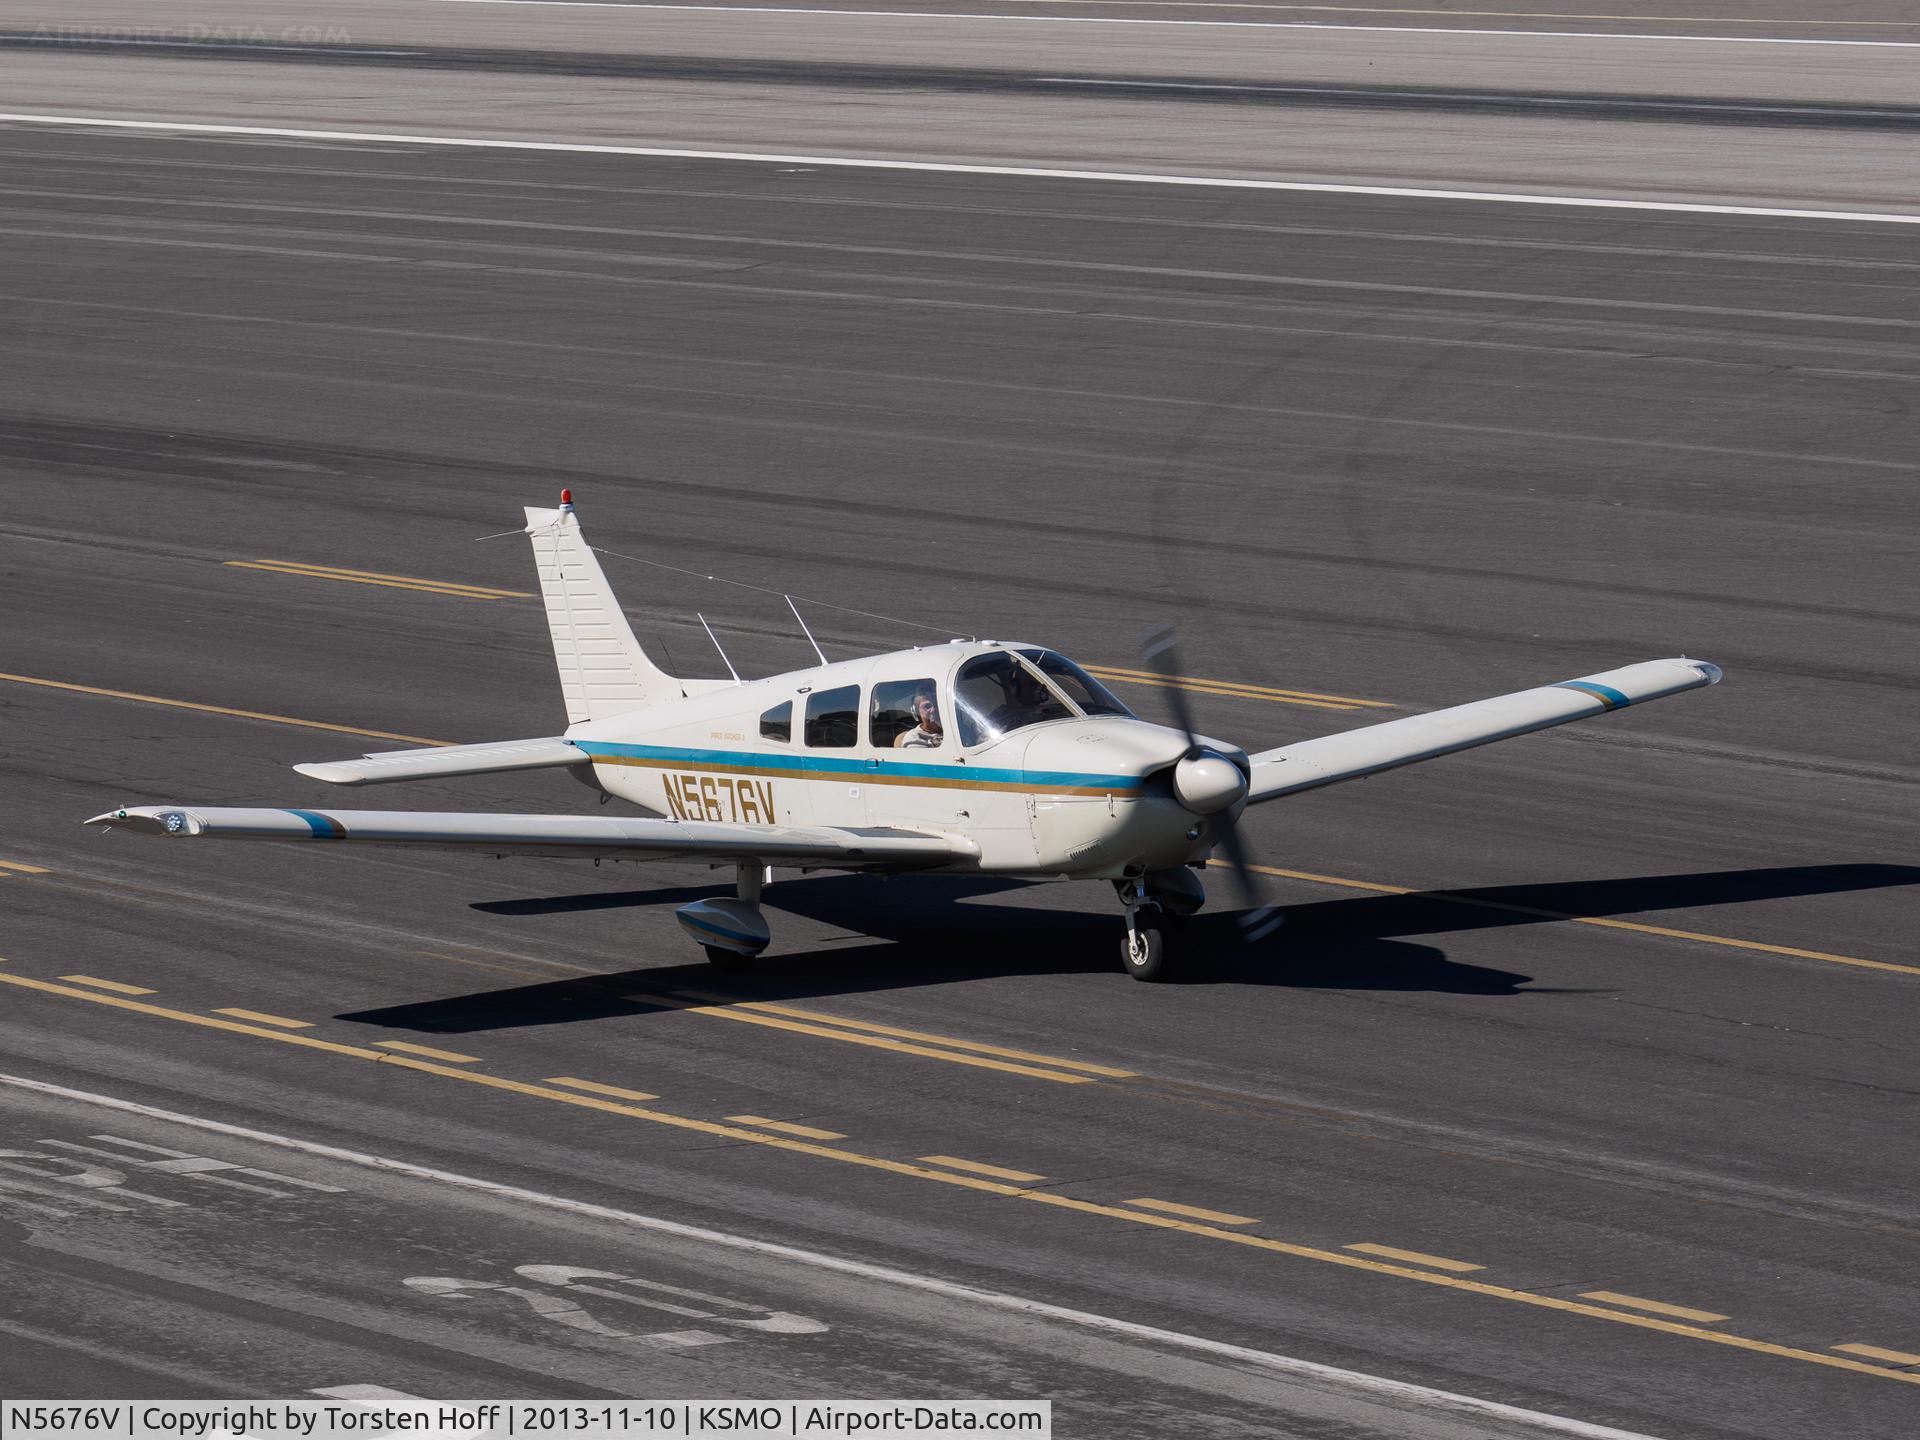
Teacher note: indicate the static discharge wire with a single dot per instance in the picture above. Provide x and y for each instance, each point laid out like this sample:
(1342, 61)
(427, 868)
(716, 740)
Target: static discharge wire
(769, 590)
(758, 589)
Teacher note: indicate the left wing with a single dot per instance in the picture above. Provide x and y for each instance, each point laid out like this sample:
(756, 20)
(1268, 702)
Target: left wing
(567, 836)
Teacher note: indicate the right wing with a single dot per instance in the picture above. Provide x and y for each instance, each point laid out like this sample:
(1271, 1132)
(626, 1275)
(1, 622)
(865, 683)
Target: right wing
(1353, 754)
(609, 837)
(441, 761)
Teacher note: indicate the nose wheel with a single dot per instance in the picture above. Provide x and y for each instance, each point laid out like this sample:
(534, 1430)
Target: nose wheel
(1144, 948)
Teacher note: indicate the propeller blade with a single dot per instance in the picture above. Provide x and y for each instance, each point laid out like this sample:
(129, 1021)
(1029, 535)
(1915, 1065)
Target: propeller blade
(1159, 647)
(1258, 918)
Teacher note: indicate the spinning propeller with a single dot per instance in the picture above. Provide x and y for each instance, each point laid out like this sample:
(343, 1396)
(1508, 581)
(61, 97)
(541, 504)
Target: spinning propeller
(1210, 784)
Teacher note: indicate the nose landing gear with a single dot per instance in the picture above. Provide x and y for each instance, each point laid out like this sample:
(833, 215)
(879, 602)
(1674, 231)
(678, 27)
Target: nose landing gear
(1154, 919)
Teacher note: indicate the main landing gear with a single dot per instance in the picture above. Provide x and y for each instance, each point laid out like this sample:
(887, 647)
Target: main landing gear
(731, 930)
(1157, 906)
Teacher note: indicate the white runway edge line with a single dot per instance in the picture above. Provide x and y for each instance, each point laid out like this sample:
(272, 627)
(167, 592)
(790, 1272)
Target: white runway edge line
(1399, 1390)
(1191, 24)
(1591, 202)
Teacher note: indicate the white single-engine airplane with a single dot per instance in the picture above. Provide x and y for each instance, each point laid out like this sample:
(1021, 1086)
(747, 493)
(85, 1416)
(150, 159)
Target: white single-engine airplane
(976, 757)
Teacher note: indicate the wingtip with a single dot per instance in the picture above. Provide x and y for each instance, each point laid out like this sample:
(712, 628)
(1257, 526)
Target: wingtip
(149, 820)
(334, 772)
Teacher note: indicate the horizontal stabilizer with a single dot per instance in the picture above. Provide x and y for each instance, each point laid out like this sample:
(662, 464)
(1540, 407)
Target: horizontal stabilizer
(567, 836)
(1309, 764)
(442, 761)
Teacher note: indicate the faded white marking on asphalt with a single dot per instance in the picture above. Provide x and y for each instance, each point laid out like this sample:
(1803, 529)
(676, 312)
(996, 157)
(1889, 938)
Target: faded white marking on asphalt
(1376, 1385)
(1405, 192)
(370, 1394)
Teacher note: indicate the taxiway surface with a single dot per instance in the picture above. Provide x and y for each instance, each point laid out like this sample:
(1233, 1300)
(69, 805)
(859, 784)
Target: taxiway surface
(1361, 448)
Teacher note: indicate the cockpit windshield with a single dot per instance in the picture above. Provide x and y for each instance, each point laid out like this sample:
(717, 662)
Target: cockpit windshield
(1081, 688)
(997, 694)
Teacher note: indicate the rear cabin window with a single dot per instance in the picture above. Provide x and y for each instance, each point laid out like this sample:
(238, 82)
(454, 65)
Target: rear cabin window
(833, 718)
(777, 723)
(905, 715)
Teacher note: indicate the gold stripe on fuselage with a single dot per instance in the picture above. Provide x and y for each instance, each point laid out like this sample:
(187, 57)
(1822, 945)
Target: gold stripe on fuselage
(865, 777)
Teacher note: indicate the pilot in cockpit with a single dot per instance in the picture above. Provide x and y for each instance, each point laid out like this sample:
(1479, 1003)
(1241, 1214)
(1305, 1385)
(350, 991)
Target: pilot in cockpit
(1027, 700)
(927, 733)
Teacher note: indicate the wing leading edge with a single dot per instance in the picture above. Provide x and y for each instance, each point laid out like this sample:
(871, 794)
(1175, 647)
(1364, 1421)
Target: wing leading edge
(563, 836)
(1352, 754)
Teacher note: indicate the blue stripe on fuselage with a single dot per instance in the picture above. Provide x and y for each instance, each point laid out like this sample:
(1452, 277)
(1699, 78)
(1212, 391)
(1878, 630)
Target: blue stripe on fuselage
(829, 768)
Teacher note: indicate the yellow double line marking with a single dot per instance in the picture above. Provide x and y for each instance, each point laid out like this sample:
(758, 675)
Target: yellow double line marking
(983, 1184)
(218, 709)
(1235, 690)
(1447, 898)
(375, 577)
(889, 1037)
(1232, 689)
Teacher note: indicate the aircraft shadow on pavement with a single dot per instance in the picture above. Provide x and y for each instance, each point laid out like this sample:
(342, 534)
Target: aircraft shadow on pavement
(911, 932)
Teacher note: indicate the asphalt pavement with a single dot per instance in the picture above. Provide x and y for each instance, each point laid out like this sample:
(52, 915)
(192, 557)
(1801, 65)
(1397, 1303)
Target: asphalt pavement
(1596, 1044)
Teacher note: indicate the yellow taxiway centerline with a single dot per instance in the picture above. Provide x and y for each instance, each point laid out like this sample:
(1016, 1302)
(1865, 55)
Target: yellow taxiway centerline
(998, 1172)
(595, 1087)
(1450, 898)
(1416, 1257)
(1255, 692)
(113, 985)
(1232, 689)
(260, 1017)
(735, 1012)
(388, 582)
(948, 1041)
(1874, 1352)
(980, 1184)
(6, 865)
(220, 710)
(453, 1057)
(786, 1127)
(1658, 1307)
(1193, 1212)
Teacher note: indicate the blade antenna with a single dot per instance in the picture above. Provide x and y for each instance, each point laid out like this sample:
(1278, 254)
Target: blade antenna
(804, 631)
(717, 645)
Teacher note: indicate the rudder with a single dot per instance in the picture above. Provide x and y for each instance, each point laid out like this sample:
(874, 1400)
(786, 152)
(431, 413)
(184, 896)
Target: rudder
(603, 670)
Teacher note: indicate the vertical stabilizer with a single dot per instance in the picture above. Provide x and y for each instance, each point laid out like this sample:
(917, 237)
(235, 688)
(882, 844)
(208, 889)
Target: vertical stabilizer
(603, 670)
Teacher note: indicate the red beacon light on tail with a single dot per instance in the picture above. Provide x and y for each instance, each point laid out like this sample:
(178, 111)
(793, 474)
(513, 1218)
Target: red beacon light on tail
(566, 499)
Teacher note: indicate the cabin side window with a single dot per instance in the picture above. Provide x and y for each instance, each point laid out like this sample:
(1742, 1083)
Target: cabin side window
(777, 723)
(905, 715)
(833, 718)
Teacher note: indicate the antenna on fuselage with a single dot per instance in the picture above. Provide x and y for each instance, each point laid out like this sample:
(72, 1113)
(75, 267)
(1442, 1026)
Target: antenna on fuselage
(717, 645)
(806, 632)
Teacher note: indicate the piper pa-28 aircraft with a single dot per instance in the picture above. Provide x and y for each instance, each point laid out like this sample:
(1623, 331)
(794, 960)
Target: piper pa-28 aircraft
(976, 757)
